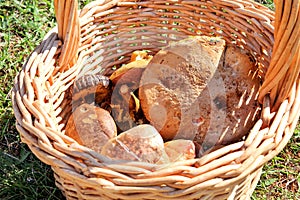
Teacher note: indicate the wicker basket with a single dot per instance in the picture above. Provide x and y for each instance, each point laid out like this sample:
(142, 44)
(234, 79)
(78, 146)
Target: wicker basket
(103, 35)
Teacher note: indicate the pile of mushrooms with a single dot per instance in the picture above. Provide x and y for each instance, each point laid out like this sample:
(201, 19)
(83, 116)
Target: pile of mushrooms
(191, 96)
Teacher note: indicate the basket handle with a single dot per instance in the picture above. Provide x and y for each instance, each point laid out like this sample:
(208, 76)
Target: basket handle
(281, 74)
(66, 12)
(284, 67)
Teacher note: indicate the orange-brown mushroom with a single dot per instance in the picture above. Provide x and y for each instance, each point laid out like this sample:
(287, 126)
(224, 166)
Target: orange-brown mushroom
(174, 79)
(91, 126)
(140, 143)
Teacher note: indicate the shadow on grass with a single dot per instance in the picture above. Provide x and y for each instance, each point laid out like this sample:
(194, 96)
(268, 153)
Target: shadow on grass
(25, 177)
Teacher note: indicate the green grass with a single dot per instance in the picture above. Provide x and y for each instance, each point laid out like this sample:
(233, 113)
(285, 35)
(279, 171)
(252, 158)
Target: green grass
(281, 176)
(23, 23)
(267, 3)
(22, 26)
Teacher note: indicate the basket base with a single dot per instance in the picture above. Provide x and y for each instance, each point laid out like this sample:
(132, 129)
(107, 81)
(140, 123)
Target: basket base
(83, 190)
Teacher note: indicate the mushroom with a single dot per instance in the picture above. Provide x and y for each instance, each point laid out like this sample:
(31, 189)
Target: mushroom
(91, 89)
(133, 70)
(91, 126)
(228, 105)
(124, 101)
(178, 150)
(172, 82)
(141, 143)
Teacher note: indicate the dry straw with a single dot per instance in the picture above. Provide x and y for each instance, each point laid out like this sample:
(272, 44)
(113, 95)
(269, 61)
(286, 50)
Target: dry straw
(103, 35)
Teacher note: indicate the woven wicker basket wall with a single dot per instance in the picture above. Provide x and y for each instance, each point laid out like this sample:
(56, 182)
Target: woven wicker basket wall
(102, 35)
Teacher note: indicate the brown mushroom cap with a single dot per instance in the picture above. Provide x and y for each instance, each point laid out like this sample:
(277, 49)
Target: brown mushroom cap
(229, 115)
(91, 126)
(130, 72)
(141, 143)
(90, 88)
(174, 79)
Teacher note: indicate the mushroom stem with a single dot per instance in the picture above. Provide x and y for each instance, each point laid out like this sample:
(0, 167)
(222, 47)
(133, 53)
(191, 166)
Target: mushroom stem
(136, 101)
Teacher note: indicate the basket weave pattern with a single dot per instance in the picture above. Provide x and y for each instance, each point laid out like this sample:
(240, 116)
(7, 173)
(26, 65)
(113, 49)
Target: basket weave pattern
(102, 36)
